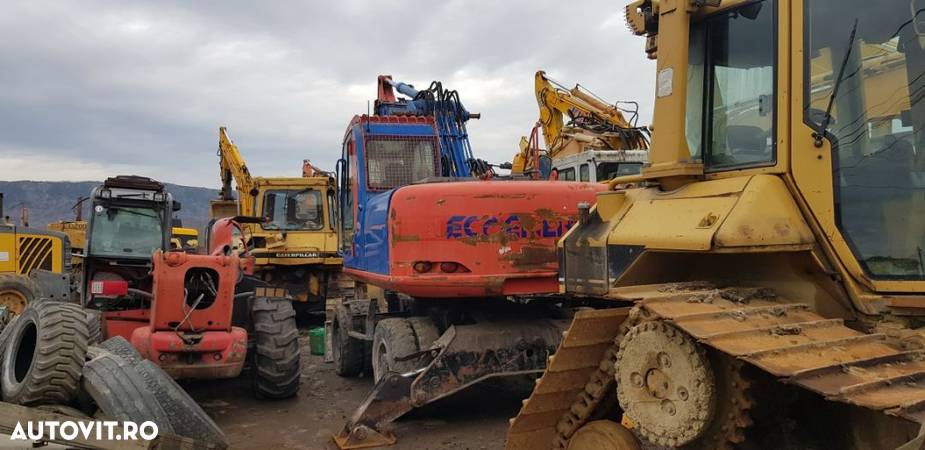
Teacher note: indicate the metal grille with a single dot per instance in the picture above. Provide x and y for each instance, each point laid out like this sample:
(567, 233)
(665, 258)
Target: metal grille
(34, 253)
(393, 161)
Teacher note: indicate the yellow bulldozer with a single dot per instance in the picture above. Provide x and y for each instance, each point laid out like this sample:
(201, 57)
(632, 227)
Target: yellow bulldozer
(295, 246)
(765, 269)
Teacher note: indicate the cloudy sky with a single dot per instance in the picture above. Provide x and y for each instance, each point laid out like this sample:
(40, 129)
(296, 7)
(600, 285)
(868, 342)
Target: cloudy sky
(93, 88)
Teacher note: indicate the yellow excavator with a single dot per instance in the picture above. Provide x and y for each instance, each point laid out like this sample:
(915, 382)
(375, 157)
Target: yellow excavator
(295, 245)
(765, 269)
(587, 139)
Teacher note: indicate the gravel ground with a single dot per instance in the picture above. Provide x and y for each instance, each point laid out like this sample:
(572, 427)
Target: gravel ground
(475, 419)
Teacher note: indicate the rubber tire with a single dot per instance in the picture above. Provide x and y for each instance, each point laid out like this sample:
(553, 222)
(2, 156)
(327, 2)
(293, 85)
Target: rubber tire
(117, 345)
(425, 331)
(57, 358)
(20, 283)
(349, 353)
(185, 415)
(121, 393)
(94, 326)
(394, 337)
(276, 371)
(5, 337)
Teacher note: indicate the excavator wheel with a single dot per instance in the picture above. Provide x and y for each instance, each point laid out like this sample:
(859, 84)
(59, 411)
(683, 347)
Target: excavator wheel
(349, 353)
(397, 338)
(603, 435)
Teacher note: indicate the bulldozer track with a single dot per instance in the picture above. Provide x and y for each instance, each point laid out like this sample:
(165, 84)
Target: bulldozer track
(779, 336)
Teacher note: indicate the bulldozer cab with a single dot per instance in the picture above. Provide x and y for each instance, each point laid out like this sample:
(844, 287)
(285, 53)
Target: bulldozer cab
(825, 93)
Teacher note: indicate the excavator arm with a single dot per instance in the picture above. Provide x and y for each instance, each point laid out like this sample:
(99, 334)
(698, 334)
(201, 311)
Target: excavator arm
(556, 103)
(232, 167)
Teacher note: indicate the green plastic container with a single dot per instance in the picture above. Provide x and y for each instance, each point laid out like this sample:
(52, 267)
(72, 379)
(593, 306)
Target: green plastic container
(316, 340)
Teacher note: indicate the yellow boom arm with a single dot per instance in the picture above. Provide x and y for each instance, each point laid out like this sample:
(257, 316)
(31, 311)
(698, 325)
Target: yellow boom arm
(233, 167)
(556, 102)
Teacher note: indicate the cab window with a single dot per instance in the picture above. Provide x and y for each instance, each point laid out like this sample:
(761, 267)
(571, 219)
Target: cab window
(567, 174)
(585, 172)
(736, 66)
(293, 210)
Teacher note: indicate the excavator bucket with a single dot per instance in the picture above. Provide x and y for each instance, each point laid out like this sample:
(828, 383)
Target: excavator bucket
(464, 355)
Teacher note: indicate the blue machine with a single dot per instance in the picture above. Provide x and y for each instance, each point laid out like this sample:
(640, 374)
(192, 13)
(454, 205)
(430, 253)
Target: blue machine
(405, 141)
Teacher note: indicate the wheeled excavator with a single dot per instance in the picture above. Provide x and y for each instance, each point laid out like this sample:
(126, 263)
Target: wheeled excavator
(295, 243)
(587, 139)
(765, 268)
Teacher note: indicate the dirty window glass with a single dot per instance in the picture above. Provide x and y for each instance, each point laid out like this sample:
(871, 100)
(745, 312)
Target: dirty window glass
(585, 172)
(293, 210)
(609, 171)
(567, 174)
(740, 87)
(874, 52)
(394, 162)
(120, 231)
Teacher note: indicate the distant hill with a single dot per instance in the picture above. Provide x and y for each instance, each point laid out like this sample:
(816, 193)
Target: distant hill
(50, 201)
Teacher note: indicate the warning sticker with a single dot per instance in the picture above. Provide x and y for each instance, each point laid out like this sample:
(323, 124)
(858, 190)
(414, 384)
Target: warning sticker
(4, 256)
(665, 82)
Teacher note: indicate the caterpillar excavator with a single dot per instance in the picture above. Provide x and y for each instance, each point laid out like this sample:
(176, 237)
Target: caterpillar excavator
(765, 268)
(597, 143)
(295, 245)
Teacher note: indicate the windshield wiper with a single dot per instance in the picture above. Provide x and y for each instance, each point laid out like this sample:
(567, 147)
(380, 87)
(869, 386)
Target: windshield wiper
(827, 119)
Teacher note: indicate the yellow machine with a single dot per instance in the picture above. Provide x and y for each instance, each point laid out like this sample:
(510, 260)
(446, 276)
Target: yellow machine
(597, 142)
(766, 268)
(296, 245)
(31, 265)
(184, 238)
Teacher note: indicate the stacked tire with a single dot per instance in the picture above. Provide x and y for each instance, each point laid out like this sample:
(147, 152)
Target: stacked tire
(47, 360)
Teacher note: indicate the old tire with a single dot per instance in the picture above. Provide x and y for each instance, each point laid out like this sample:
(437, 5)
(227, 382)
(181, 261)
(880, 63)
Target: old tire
(121, 393)
(43, 359)
(16, 292)
(276, 349)
(393, 339)
(94, 326)
(185, 415)
(117, 345)
(349, 354)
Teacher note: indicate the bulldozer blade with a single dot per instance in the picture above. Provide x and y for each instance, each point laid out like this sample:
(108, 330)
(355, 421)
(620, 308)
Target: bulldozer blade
(464, 355)
(388, 401)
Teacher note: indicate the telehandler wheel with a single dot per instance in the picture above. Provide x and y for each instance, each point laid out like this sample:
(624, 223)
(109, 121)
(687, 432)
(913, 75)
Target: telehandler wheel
(121, 393)
(603, 435)
(186, 416)
(16, 291)
(397, 338)
(44, 356)
(276, 349)
(349, 353)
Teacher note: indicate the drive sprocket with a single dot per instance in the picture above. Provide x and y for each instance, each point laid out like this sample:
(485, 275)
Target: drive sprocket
(665, 384)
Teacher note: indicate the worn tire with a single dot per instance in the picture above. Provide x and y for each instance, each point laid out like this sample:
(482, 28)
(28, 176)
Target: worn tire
(44, 356)
(5, 337)
(117, 345)
(394, 338)
(349, 354)
(276, 350)
(16, 292)
(185, 415)
(121, 393)
(94, 326)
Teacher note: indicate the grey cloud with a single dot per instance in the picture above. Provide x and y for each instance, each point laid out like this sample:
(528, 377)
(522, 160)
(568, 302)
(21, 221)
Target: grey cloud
(146, 84)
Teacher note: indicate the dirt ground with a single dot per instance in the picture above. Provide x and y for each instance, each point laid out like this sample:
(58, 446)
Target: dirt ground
(473, 420)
